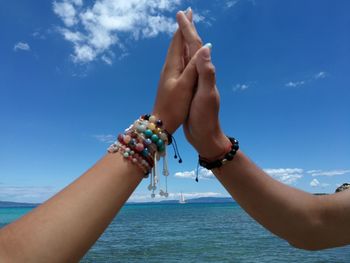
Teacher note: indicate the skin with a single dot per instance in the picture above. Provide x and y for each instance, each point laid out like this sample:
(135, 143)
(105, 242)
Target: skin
(63, 228)
(67, 225)
(304, 220)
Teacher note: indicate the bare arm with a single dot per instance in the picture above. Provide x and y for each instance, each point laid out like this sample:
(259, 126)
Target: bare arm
(304, 220)
(66, 226)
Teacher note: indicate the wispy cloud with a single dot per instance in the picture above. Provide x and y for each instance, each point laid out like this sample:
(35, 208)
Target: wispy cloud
(286, 175)
(107, 60)
(328, 173)
(227, 4)
(198, 18)
(105, 138)
(21, 46)
(317, 76)
(320, 75)
(202, 174)
(203, 16)
(295, 84)
(316, 183)
(231, 3)
(94, 29)
(38, 35)
(240, 87)
(29, 194)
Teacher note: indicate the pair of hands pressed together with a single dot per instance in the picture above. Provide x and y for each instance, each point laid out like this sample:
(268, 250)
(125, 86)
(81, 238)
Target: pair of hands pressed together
(187, 92)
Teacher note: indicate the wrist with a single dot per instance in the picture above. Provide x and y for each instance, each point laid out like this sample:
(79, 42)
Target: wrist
(166, 123)
(215, 147)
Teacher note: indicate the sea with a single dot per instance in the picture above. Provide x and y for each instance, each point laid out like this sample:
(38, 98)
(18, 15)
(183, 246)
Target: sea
(191, 233)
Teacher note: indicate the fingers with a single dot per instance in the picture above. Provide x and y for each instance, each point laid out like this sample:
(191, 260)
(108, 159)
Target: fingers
(189, 76)
(178, 53)
(187, 57)
(189, 32)
(199, 65)
(174, 63)
(189, 14)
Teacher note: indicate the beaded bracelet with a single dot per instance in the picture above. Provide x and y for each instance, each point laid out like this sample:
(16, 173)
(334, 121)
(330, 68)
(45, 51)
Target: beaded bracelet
(144, 143)
(218, 163)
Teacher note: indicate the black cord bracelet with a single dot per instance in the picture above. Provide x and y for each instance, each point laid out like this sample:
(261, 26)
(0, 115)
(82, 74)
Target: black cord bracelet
(218, 163)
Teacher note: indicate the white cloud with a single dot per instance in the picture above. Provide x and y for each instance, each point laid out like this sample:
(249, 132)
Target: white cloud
(328, 173)
(295, 84)
(203, 16)
(320, 75)
(21, 46)
(198, 18)
(317, 76)
(107, 59)
(26, 193)
(240, 87)
(202, 174)
(123, 55)
(71, 36)
(231, 3)
(105, 138)
(38, 35)
(95, 29)
(316, 183)
(146, 197)
(286, 175)
(66, 10)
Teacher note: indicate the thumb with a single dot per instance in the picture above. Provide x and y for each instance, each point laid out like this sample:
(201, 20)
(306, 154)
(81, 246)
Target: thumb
(205, 69)
(201, 64)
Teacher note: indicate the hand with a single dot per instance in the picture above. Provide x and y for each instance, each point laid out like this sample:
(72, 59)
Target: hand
(176, 84)
(202, 127)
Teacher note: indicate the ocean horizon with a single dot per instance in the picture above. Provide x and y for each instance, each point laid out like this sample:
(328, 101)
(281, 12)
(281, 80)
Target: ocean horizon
(191, 232)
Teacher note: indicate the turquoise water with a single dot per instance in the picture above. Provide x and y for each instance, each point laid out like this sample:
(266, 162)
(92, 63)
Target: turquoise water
(8, 215)
(191, 233)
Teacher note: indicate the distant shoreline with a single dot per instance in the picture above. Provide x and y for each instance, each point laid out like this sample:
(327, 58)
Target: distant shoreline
(203, 200)
(200, 200)
(7, 204)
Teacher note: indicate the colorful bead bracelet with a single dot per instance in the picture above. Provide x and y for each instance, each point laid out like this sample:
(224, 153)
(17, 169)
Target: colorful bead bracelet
(144, 143)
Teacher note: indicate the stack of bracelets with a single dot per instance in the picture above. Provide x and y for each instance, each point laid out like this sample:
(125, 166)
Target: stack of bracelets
(144, 143)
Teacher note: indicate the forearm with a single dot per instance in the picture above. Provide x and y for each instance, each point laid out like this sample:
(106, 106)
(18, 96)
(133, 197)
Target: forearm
(66, 226)
(287, 212)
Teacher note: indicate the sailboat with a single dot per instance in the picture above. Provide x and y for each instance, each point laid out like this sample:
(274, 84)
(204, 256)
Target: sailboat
(182, 199)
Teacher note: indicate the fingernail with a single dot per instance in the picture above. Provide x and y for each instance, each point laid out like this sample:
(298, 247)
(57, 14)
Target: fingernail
(207, 51)
(187, 10)
(208, 45)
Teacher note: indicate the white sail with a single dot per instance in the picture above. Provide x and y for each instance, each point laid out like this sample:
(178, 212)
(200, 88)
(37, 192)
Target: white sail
(182, 199)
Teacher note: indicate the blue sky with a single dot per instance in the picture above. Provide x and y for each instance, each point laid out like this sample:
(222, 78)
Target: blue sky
(75, 73)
